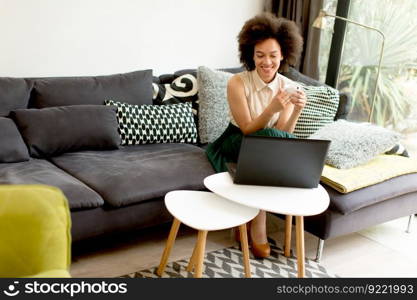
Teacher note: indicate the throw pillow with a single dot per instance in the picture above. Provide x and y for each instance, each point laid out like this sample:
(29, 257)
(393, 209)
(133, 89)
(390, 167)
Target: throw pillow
(353, 144)
(320, 109)
(12, 147)
(398, 149)
(182, 89)
(146, 124)
(55, 130)
(213, 112)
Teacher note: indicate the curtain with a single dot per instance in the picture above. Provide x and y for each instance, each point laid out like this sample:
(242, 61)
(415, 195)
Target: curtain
(303, 13)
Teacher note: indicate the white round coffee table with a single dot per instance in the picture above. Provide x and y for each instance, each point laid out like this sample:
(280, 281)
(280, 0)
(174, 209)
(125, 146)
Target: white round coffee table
(288, 201)
(205, 212)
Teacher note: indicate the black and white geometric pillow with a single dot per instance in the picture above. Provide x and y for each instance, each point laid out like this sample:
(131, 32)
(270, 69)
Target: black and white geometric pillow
(320, 109)
(183, 89)
(148, 124)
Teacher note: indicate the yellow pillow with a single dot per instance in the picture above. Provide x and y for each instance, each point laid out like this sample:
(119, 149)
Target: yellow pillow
(381, 168)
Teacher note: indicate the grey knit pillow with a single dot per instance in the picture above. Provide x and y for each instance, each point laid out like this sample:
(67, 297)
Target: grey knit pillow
(353, 144)
(213, 115)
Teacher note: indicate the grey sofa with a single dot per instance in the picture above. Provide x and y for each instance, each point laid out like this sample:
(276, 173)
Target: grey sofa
(118, 190)
(110, 190)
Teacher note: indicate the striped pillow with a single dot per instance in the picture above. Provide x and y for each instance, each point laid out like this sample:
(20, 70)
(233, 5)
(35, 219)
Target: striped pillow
(320, 109)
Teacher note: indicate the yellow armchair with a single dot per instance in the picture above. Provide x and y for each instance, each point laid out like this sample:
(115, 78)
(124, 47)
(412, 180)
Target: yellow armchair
(35, 236)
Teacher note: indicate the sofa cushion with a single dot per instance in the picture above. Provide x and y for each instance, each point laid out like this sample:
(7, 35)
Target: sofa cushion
(54, 130)
(14, 94)
(12, 147)
(213, 117)
(134, 88)
(345, 101)
(320, 109)
(138, 173)
(350, 202)
(149, 124)
(353, 144)
(182, 89)
(39, 171)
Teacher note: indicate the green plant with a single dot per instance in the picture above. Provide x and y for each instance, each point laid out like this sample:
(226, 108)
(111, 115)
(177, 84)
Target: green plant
(360, 59)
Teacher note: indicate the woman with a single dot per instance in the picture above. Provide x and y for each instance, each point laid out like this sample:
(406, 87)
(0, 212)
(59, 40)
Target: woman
(259, 99)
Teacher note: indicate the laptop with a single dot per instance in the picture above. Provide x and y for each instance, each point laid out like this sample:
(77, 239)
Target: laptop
(276, 161)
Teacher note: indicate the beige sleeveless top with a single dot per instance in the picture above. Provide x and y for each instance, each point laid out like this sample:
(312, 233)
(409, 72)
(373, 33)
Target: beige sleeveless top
(259, 94)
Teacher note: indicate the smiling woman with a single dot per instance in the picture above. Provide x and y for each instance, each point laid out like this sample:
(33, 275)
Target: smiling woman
(261, 101)
(267, 58)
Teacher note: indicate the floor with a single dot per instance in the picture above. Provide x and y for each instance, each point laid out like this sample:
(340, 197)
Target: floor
(385, 250)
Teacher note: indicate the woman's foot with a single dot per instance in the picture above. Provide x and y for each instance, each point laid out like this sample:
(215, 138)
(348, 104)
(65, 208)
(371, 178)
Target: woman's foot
(258, 241)
(258, 238)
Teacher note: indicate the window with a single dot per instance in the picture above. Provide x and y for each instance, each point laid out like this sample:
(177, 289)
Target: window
(395, 105)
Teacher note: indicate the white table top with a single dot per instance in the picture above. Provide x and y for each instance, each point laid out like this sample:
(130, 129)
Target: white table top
(282, 200)
(207, 211)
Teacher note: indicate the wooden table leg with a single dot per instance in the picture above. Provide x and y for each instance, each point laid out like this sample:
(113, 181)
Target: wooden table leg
(287, 242)
(170, 242)
(245, 249)
(299, 228)
(201, 246)
(191, 263)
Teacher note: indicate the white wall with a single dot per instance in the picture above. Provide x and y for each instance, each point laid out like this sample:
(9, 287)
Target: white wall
(94, 37)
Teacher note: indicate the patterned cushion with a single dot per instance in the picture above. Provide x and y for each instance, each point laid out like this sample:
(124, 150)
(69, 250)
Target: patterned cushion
(183, 89)
(398, 149)
(147, 124)
(320, 109)
(213, 117)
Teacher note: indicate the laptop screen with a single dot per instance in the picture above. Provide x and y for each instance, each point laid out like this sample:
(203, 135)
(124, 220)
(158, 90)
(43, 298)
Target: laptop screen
(281, 161)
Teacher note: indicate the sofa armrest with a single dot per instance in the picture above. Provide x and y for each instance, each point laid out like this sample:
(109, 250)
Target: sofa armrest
(35, 235)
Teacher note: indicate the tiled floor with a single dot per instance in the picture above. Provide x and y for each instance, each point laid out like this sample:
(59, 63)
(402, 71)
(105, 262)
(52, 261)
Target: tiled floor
(381, 251)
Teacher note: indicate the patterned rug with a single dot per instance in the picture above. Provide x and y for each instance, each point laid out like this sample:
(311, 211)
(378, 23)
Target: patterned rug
(227, 263)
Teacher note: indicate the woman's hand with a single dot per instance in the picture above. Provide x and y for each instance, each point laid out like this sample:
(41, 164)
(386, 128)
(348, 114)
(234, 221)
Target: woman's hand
(299, 100)
(280, 101)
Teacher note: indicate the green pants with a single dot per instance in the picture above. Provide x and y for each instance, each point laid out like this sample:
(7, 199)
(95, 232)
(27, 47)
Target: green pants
(226, 147)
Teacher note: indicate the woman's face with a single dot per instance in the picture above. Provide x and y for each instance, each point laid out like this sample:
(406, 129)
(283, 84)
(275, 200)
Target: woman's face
(267, 57)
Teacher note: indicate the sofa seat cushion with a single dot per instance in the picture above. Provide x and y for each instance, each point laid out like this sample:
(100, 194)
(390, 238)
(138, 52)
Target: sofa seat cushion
(394, 187)
(39, 171)
(138, 173)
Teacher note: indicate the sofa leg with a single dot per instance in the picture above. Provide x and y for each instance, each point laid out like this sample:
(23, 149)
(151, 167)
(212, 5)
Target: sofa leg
(410, 223)
(319, 250)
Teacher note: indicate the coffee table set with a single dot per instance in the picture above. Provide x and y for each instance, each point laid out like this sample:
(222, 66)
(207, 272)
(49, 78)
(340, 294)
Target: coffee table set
(233, 205)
